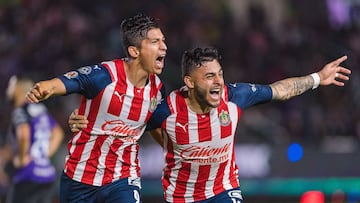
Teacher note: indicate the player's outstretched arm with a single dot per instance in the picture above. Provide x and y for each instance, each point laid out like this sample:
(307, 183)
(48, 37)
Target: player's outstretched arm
(45, 89)
(290, 87)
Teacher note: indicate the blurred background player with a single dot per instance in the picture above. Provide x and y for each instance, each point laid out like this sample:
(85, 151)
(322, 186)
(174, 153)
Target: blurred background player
(118, 98)
(37, 137)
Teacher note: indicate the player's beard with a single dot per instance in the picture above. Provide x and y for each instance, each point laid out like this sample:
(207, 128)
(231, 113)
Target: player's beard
(201, 96)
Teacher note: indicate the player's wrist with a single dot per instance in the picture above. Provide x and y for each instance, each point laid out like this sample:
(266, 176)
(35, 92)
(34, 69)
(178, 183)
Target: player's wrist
(316, 78)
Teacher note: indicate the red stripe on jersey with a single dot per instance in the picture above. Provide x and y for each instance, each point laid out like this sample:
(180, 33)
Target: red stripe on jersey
(204, 127)
(82, 105)
(225, 94)
(73, 160)
(109, 69)
(233, 170)
(71, 165)
(117, 98)
(180, 101)
(224, 116)
(125, 172)
(93, 160)
(136, 104)
(182, 178)
(182, 120)
(137, 161)
(218, 183)
(170, 162)
(111, 160)
(200, 185)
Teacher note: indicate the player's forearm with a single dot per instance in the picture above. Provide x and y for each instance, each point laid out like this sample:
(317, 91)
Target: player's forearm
(23, 140)
(291, 87)
(45, 89)
(55, 85)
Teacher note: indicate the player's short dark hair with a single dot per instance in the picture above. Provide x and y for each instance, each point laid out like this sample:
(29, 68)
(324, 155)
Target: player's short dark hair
(194, 58)
(135, 29)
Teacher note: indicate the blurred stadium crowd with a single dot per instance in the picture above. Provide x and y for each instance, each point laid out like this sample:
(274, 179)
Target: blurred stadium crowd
(261, 41)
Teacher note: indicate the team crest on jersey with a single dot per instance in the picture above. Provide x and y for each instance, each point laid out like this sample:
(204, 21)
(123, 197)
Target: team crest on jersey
(71, 74)
(224, 118)
(86, 70)
(153, 104)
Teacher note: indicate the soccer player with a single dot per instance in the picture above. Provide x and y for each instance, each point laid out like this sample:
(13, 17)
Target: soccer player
(118, 98)
(37, 137)
(199, 120)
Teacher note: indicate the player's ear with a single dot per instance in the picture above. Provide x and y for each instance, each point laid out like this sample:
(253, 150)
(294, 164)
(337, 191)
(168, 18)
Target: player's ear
(189, 82)
(133, 51)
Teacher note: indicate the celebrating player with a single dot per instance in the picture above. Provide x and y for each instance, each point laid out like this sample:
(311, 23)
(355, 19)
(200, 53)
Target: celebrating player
(118, 98)
(198, 124)
(199, 121)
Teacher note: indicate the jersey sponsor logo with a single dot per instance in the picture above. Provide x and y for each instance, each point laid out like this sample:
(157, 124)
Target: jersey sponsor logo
(233, 84)
(224, 118)
(86, 70)
(181, 126)
(119, 129)
(153, 104)
(206, 155)
(71, 74)
(235, 194)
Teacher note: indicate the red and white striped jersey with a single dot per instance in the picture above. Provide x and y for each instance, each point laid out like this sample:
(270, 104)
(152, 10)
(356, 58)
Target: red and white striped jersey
(107, 149)
(199, 150)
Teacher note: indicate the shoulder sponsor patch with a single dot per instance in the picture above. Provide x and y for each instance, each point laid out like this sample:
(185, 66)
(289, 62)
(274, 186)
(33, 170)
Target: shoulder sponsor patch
(71, 74)
(86, 70)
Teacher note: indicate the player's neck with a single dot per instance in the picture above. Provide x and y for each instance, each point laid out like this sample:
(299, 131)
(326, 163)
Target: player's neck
(136, 74)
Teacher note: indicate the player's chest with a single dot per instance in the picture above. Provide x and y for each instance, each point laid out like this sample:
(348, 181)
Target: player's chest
(189, 127)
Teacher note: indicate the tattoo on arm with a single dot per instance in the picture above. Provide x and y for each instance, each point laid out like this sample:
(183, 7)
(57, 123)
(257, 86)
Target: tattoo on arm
(291, 87)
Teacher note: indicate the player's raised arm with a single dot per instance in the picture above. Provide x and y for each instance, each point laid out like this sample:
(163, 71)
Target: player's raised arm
(329, 74)
(44, 89)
